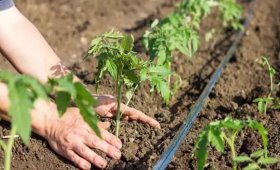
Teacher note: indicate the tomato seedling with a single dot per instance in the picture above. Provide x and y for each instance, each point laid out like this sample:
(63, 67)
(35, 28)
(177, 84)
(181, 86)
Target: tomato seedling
(24, 91)
(115, 56)
(179, 32)
(263, 102)
(231, 13)
(224, 132)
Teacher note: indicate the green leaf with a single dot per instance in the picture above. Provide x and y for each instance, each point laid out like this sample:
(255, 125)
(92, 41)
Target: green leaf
(161, 56)
(242, 159)
(155, 23)
(252, 166)
(20, 107)
(127, 43)
(164, 90)
(88, 115)
(257, 154)
(261, 130)
(112, 68)
(272, 71)
(161, 70)
(232, 124)
(85, 95)
(66, 84)
(62, 101)
(261, 105)
(33, 84)
(201, 150)
(267, 161)
(131, 76)
(216, 140)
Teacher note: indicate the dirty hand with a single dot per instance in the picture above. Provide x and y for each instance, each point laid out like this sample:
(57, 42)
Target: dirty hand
(107, 107)
(72, 138)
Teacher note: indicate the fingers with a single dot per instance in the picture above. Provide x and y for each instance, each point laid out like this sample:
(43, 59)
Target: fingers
(139, 116)
(106, 136)
(111, 139)
(104, 111)
(77, 160)
(94, 142)
(89, 155)
(104, 125)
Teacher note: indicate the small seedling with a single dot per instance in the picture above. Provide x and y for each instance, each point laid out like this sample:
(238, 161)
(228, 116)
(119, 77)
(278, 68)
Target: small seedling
(223, 133)
(179, 31)
(115, 56)
(256, 160)
(231, 14)
(263, 102)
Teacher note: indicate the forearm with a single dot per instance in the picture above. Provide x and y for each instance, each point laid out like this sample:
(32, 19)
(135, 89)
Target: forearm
(25, 47)
(42, 113)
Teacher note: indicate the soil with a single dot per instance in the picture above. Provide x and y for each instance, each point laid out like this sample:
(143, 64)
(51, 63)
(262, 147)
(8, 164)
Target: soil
(69, 26)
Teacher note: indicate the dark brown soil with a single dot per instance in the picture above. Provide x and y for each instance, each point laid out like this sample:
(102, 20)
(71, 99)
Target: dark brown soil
(69, 26)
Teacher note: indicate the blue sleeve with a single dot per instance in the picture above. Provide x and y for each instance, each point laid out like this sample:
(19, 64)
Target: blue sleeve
(5, 4)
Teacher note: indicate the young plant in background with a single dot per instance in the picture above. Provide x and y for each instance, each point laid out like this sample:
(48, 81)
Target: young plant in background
(24, 91)
(223, 133)
(231, 14)
(263, 102)
(179, 32)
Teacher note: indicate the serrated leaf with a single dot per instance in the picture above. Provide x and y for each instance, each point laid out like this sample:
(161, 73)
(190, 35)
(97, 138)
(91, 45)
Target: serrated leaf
(127, 43)
(267, 161)
(62, 101)
(215, 139)
(112, 67)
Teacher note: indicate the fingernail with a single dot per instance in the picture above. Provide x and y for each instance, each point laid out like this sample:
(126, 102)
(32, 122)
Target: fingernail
(158, 126)
(118, 144)
(87, 166)
(102, 164)
(117, 155)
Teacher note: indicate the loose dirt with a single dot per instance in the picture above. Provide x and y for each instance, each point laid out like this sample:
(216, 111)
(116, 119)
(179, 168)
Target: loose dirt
(69, 26)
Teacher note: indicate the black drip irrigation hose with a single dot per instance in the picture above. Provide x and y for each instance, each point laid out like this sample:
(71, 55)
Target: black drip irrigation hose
(168, 154)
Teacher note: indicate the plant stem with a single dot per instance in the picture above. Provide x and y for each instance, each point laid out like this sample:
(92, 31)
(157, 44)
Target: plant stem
(118, 93)
(129, 99)
(271, 85)
(230, 142)
(3, 145)
(8, 152)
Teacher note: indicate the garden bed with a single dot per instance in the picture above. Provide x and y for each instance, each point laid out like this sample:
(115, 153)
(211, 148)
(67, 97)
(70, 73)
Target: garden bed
(242, 81)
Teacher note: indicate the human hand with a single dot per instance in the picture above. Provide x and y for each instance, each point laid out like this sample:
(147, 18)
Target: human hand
(107, 107)
(73, 139)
